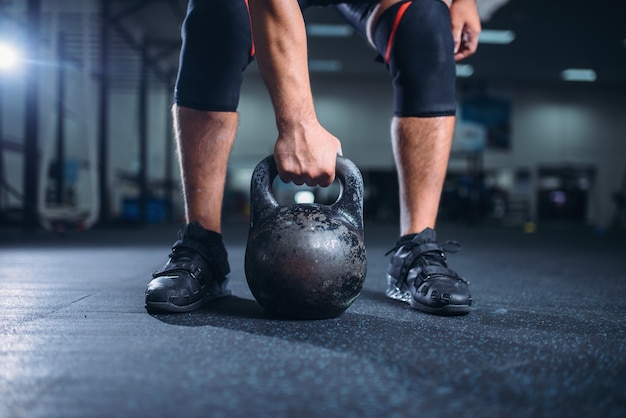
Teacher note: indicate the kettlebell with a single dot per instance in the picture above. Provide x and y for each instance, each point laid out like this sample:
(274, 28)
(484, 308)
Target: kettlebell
(306, 261)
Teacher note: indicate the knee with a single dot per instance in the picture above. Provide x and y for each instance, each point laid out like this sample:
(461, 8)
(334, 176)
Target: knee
(414, 28)
(415, 40)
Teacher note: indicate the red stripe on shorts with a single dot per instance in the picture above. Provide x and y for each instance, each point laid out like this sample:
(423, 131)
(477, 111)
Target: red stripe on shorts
(394, 28)
(251, 35)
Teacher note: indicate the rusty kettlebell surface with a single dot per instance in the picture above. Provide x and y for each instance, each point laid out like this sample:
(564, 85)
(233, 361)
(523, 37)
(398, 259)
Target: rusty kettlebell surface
(306, 261)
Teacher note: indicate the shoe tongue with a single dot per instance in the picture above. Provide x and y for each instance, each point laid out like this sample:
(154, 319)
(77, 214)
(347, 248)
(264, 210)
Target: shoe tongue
(196, 232)
(427, 235)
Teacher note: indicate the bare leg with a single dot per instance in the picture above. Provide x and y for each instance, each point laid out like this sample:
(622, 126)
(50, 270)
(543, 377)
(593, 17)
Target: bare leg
(421, 148)
(204, 140)
(189, 278)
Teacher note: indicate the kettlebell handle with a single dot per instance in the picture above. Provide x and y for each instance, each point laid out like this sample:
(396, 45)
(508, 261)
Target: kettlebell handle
(349, 203)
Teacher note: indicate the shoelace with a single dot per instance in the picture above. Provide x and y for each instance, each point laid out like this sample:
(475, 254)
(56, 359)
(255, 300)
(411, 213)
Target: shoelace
(430, 253)
(185, 250)
(181, 251)
(181, 257)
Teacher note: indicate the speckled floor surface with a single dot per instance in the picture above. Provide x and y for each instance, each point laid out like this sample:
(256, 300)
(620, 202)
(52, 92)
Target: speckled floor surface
(547, 337)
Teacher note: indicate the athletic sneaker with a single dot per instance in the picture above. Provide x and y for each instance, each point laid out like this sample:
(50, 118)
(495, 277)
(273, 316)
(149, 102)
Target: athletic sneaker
(418, 274)
(196, 272)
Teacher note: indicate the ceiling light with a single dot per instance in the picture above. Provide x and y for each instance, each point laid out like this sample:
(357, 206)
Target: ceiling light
(578, 74)
(464, 70)
(325, 66)
(497, 37)
(328, 30)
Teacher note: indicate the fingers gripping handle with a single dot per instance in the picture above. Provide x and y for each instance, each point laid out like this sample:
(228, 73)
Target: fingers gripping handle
(349, 203)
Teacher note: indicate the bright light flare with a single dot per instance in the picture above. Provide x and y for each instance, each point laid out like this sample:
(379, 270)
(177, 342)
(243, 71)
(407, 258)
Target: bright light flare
(8, 56)
(304, 196)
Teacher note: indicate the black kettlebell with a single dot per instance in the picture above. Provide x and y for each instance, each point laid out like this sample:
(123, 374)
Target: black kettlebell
(306, 261)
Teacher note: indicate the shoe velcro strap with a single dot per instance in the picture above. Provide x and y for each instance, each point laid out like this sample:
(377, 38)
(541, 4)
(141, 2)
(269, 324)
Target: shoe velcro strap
(416, 252)
(193, 266)
(429, 271)
(187, 266)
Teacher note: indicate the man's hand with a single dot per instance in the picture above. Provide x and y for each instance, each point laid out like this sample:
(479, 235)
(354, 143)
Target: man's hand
(465, 27)
(307, 154)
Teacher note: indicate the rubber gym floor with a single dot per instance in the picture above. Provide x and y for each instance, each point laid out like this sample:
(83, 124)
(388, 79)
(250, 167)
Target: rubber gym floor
(546, 338)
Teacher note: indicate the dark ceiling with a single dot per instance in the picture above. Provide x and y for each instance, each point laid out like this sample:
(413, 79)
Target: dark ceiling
(550, 36)
(554, 35)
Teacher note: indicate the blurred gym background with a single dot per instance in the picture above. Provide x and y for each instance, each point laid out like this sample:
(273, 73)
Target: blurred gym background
(86, 135)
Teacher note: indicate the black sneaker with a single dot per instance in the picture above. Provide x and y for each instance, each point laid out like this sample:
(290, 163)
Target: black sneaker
(418, 274)
(197, 271)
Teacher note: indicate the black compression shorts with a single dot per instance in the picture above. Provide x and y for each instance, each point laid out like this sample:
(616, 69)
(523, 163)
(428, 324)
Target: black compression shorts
(217, 47)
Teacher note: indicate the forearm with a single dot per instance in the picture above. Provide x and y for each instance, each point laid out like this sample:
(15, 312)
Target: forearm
(281, 53)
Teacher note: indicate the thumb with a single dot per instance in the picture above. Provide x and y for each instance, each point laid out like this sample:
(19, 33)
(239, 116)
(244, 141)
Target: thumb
(457, 33)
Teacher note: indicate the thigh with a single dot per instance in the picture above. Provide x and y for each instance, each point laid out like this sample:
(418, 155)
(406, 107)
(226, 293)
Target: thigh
(216, 49)
(358, 15)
